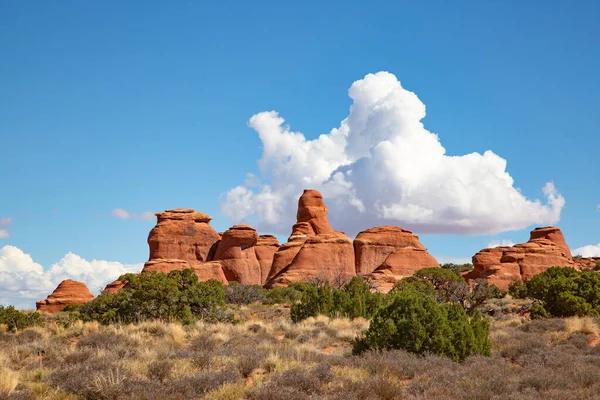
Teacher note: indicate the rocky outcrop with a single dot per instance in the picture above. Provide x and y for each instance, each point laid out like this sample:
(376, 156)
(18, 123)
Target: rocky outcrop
(183, 238)
(68, 292)
(115, 286)
(182, 234)
(314, 249)
(502, 265)
(265, 249)
(373, 246)
(390, 253)
(237, 256)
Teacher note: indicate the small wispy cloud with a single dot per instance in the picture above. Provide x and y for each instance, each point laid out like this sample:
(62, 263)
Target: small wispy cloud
(5, 222)
(499, 243)
(124, 214)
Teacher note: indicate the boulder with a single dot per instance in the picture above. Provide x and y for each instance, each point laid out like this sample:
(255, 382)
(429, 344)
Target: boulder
(68, 292)
(501, 265)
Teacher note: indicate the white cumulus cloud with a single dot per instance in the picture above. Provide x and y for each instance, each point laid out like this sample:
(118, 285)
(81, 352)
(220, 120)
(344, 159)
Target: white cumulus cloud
(124, 214)
(499, 243)
(5, 222)
(588, 251)
(23, 281)
(381, 166)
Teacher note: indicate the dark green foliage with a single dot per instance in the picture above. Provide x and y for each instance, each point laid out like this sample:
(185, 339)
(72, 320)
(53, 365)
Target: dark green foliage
(354, 300)
(236, 293)
(283, 295)
(518, 289)
(176, 296)
(597, 267)
(16, 319)
(458, 268)
(448, 286)
(415, 322)
(565, 292)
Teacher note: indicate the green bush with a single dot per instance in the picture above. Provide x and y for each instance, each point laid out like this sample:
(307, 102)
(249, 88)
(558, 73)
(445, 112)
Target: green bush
(283, 295)
(354, 300)
(415, 322)
(597, 267)
(236, 293)
(176, 296)
(518, 289)
(448, 286)
(16, 319)
(565, 292)
(458, 268)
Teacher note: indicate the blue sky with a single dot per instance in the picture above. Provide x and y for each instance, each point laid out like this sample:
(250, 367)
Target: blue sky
(144, 106)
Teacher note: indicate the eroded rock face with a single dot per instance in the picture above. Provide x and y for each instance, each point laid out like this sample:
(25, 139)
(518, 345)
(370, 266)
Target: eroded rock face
(501, 265)
(182, 234)
(183, 238)
(265, 249)
(373, 246)
(312, 209)
(68, 292)
(235, 252)
(114, 286)
(314, 249)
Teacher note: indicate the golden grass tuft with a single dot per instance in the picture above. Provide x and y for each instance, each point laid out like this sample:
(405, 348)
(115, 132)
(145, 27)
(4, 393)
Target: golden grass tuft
(9, 380)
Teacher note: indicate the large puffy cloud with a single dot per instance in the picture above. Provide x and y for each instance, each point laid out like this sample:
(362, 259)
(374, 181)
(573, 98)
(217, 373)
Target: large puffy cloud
(381, 166)
(23, 281)
(588, 251)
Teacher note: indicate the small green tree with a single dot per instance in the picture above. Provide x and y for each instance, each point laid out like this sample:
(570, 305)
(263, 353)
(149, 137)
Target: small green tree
(174, 296)
(415, 322)
(518, 289)
(16, 319)
(565, 292)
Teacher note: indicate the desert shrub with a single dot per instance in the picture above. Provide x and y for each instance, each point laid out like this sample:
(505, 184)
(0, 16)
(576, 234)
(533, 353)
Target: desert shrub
(283, 295)
(564, 292)
(176, 296)
(236, 293)
(15, 319)
(518, 289)
(458, 268)
(448, 286)
(417, 323)
(160, 370)
(354, 300)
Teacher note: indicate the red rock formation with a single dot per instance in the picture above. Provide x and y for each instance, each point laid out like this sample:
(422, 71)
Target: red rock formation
(390, 253)
(373, 246)
(314, 249)
(312, 209)
(183, 238)
(114, 286)
(182, 234)
(502, 265)
(265, 249)
(68, 292)
(236, 254)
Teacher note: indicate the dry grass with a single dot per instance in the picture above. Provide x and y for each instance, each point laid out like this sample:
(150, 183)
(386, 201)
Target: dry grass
(265, 356)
